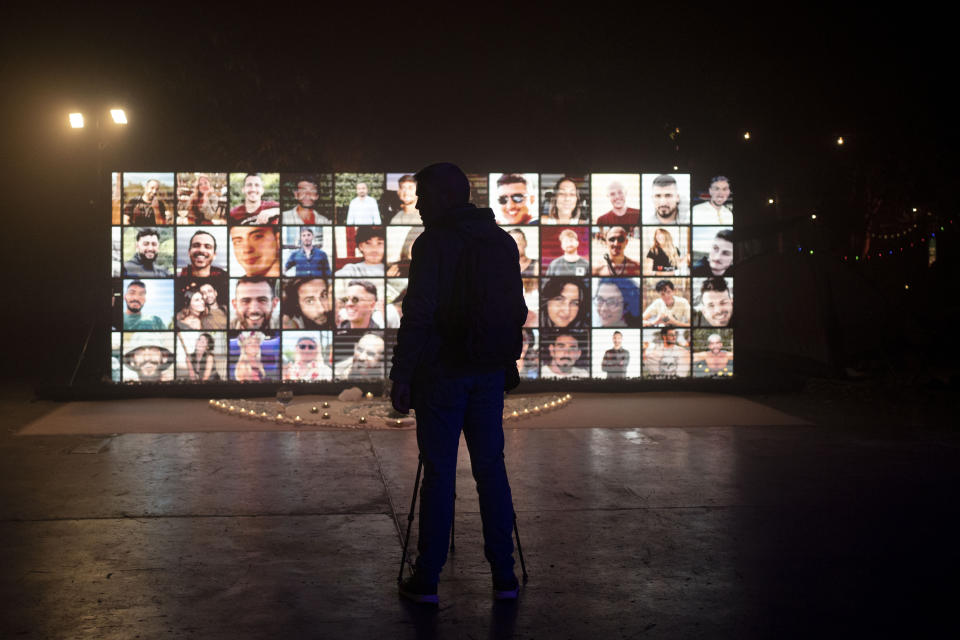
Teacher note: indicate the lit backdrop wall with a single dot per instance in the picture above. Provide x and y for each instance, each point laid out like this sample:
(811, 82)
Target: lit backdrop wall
(268, 277)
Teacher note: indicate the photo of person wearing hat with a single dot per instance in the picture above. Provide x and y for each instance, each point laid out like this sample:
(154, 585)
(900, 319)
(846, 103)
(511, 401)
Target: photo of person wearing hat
(148, 357)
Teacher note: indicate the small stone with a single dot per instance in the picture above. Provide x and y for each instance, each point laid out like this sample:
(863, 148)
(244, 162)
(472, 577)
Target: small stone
(353, 394)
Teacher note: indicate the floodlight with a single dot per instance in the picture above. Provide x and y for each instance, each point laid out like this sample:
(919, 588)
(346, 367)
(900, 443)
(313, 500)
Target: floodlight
(119, 116)
(76, 120)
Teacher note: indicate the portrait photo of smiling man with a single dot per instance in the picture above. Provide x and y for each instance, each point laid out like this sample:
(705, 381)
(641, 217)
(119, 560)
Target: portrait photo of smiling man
(255, 304)
(148, 199)
(148, 252)
(715, 304)
(256, 195)
(718, 207)
(615, 199)
(148, 357)
(201, 252)
(513, 197)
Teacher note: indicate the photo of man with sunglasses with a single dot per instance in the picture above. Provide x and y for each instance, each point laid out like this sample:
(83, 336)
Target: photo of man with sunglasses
(614, 261)
(306, 361)
(356, 305)
(514, 199)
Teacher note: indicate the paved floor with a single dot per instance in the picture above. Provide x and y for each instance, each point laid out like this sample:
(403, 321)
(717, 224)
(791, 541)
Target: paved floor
(191, 415)
(700, 532)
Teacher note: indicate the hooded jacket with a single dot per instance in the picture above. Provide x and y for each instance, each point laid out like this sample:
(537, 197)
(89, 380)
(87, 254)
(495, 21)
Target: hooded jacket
(421, 344)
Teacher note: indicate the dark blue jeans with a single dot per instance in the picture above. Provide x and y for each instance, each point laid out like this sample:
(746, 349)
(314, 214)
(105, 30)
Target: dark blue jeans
(444, 406)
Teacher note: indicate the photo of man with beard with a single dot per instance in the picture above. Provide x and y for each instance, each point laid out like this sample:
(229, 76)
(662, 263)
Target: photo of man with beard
(144, 248)
(407, 197)
(197, 251)
(134, 300)
(255, 304)
(666, 353)
(561, 352)
(306, 304)
(365, 361)
(152, 200)
(665, 199)
(715, 307)
(148, 357)
(306, 193)
(713, 353)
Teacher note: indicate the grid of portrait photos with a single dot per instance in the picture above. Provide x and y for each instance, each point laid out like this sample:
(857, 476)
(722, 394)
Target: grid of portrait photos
(300, 277)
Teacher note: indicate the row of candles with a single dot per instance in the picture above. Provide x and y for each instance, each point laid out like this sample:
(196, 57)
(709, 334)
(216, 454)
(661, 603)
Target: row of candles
(282, 418)
(538, 408)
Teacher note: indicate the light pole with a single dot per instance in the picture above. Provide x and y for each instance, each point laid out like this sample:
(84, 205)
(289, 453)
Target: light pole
(77, 121)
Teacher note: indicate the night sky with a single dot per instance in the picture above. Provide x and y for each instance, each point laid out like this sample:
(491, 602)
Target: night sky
(538, 88)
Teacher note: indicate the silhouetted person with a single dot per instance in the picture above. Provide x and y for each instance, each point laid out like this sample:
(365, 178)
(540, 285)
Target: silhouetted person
(447, 391)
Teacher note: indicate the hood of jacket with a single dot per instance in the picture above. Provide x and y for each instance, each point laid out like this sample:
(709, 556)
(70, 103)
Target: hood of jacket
(467, 220)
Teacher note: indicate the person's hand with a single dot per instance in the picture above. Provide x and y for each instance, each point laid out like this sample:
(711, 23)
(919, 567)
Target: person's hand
(400, 397)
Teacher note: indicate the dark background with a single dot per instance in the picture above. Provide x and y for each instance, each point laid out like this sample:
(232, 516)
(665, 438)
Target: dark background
(600, 90)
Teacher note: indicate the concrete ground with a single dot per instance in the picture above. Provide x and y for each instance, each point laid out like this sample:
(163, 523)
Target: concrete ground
(824, 530)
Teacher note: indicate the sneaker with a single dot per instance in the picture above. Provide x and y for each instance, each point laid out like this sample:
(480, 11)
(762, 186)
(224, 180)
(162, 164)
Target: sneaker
(507, 589)
(418, 590)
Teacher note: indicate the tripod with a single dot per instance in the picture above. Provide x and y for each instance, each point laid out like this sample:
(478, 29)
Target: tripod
(413, 503)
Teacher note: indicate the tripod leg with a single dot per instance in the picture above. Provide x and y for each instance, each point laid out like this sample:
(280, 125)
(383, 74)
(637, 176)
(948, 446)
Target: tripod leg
(516, 533)
(453, 521)
(413, 503)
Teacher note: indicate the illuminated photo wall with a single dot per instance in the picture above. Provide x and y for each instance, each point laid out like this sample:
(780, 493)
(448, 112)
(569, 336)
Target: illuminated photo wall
(268, 277)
